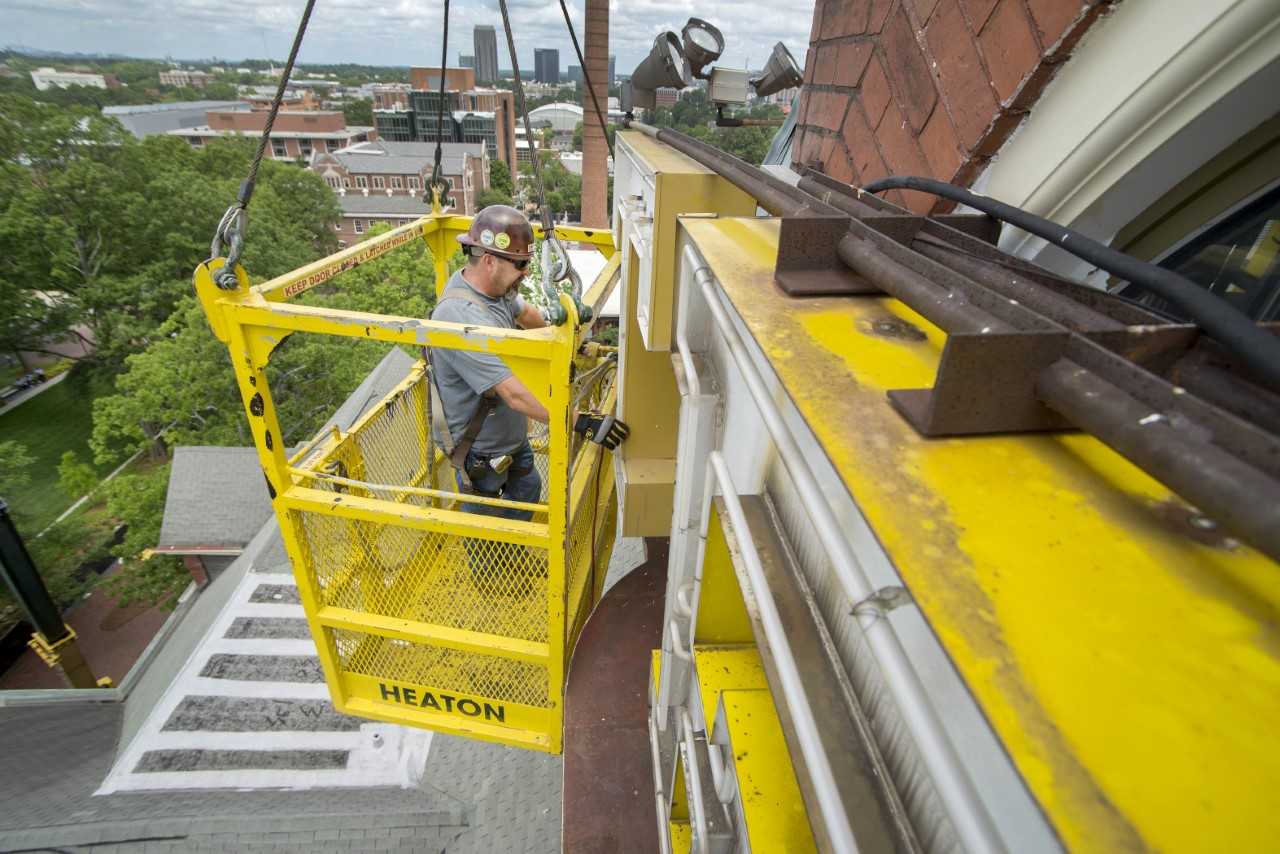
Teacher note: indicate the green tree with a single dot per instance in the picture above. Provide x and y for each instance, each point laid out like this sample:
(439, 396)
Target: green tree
(181, 389)
(137, 500)
(500, 179)
(610, 130)
(112, 227)
(492, 197)
(75, 478)
(695, 115)
(359, 112)
(563, 188)
(16, 462)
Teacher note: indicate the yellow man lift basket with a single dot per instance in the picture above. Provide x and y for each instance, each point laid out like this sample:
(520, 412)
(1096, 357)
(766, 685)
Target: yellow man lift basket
(425, 614)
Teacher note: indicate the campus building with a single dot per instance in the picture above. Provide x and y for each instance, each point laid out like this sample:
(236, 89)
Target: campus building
(45, 79)
(384, 168)
(294, 134)
(469, 114)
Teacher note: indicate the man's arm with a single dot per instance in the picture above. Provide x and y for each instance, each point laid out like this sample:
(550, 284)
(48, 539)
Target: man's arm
(530, 318)
(518, 397)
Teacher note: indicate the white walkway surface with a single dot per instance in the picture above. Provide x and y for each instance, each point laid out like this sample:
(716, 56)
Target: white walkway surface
(250, 710)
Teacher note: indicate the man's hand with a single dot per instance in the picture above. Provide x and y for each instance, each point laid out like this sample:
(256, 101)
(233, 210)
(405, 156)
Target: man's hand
(530, 318)
(602, 429)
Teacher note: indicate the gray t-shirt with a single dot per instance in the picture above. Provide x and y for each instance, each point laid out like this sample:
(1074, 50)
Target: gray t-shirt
(463, 375)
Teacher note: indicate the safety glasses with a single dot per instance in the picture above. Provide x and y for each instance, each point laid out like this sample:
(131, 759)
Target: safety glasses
(521, 265)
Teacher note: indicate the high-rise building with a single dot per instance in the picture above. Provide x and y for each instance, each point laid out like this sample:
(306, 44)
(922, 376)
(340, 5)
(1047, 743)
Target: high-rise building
(486, 55)
(546, 65)
(613, 63)
(467, 113)
(574, 74)
(465, 61)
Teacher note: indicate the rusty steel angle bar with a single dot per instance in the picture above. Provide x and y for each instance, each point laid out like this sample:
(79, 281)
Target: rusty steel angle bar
(986, 384)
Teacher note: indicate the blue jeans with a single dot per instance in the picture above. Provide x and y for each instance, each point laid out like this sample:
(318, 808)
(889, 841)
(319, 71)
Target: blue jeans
(520, 482)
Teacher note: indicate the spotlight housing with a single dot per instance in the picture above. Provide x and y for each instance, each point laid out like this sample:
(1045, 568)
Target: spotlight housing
(781, 72)
(703, 43)
(664, 67)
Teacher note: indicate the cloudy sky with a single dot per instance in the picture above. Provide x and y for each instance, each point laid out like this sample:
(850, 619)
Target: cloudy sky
(394, 32)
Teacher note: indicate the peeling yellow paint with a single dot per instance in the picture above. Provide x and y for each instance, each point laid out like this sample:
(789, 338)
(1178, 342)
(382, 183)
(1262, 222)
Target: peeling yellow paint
(1132, 673)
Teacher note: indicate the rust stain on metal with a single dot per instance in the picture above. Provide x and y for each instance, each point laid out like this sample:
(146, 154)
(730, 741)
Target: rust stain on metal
(1187, 521)
(891, 326)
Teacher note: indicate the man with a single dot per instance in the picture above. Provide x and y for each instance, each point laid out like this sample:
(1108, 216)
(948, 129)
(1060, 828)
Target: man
(498, 461)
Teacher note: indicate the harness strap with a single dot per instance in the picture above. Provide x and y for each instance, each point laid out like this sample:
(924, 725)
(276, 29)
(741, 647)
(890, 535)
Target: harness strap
(457, 452)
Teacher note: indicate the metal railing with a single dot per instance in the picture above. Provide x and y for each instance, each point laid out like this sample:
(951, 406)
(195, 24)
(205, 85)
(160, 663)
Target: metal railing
(426, 611)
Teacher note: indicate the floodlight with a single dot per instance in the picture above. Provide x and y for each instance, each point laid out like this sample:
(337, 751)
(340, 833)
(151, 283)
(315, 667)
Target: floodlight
(703, 44)
(664, 67)
(780, 73)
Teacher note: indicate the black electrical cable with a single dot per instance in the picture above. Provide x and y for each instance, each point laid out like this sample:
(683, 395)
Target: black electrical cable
(1258, 349)
(586, 78)
(436, 180)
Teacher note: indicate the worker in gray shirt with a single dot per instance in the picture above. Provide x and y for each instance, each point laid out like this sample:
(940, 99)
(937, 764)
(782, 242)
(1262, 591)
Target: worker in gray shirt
(479, 394)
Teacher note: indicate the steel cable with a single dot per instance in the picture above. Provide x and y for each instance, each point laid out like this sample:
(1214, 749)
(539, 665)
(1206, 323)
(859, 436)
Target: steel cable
(586, 78)
(234, 221)
(437, 183)
(544, 213)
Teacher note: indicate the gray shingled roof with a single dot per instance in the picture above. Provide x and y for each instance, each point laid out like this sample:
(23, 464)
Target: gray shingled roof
(217, 497)
(406, 158)
(377, 202)
(393, 368)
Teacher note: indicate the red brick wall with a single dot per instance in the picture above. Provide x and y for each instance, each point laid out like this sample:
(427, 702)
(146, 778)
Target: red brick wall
(455, 79)
(927, 87)
(300, 122)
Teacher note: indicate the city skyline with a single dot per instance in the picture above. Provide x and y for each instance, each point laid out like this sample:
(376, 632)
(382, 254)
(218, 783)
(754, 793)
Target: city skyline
(187, 30)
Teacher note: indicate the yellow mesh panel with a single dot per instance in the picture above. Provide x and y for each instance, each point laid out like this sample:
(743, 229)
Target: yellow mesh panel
(394, 445)
(581, 579)
(461, 582)
(388, 569)
(438, 667)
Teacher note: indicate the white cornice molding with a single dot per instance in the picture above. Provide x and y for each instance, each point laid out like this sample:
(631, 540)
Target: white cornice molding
(1156, 89)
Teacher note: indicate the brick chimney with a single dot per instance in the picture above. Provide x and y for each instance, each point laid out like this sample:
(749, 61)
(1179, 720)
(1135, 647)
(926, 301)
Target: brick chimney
(595, 174)
(931, 87)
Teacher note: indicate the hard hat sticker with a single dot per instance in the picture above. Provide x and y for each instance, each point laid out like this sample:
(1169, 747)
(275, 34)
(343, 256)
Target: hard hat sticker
(486, 237)
(502, 240)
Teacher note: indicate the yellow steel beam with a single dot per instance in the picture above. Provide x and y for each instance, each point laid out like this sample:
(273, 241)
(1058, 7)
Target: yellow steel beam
(434, 635)
(1129, 669)
(305, 278)
(280, 318)
(772, 805)
(601, 238)
(305, 474)
(449, 522)
(385, 699)
(558, 445)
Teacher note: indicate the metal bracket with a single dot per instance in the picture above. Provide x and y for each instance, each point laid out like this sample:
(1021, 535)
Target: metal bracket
(986, 383)
(905, 229)
(808, 265)
(48, 652)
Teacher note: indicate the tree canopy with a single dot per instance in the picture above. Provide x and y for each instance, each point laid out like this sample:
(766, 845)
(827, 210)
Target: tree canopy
(695, 115)
(563, 188)
(100, 231)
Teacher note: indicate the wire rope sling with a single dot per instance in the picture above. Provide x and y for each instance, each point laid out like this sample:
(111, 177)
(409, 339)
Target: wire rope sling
(427, 610)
